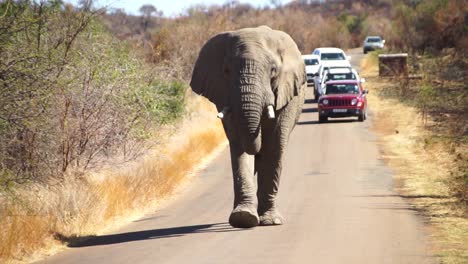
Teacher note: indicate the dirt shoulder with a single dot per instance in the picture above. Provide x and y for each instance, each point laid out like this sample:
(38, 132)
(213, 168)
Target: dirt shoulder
(425, 169)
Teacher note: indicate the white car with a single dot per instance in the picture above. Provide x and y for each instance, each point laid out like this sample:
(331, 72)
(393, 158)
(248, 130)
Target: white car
(332, 56)
(338, 74)
(328, 58)
(372, 43)
(311, 66)
(318, 80)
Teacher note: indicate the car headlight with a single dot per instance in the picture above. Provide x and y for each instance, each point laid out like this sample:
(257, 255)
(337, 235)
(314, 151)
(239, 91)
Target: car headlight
(325, 101)
(354, 101)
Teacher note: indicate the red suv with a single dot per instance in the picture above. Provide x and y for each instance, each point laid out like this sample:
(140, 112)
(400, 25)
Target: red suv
(343, 99)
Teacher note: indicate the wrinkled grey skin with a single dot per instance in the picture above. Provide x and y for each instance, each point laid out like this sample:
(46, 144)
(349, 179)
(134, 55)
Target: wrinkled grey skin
(247, 70)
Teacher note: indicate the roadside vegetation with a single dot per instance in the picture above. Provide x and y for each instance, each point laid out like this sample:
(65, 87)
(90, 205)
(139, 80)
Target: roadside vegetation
(98, 126)
(86, 127)
(423, 122)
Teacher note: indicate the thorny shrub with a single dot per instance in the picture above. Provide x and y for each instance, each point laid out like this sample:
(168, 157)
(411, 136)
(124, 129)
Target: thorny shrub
(71, 95)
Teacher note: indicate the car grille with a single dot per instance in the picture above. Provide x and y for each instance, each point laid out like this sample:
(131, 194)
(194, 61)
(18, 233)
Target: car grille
(339, 102)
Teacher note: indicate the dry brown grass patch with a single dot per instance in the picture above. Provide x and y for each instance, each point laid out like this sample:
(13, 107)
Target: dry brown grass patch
(40, 217)
(423, 171)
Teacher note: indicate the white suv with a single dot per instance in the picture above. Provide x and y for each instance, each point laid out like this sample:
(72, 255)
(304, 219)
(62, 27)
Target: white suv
(332, 56)
(311, 66)
(338, 74)
(319, 79)
(328, 58)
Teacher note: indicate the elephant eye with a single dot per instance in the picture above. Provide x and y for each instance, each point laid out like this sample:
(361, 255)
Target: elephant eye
(274, 71)
(274, 83)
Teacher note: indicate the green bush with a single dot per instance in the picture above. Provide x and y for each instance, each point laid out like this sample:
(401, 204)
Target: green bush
(72, 96)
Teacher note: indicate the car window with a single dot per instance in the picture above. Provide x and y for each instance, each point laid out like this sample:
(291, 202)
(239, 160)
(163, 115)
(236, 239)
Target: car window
(341, 76)
(373, 40)
(332, 56)
(309, 62)
(342, 89)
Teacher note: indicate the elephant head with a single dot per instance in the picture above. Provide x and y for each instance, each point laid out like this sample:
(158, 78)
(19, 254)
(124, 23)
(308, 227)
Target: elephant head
(249, 74)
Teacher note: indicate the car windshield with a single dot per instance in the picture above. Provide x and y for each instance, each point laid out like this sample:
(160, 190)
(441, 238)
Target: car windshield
(373, 40)
(341, 76)
(332, 56)
(309, 62)
(342, 89)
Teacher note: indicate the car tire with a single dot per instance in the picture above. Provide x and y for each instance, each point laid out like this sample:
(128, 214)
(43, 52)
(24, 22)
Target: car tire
(323, 119)
(364, 51)
(362, 116)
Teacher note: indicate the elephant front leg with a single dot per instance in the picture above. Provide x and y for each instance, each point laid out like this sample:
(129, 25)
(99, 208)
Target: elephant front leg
(269, 165)
(268, 173)
(244, 213)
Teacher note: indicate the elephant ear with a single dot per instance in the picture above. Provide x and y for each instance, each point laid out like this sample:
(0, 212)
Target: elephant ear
(209, 74)
(291, 72)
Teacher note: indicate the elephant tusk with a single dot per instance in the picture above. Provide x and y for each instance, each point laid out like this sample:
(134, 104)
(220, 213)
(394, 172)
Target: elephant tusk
(271, 112)
(223, 112)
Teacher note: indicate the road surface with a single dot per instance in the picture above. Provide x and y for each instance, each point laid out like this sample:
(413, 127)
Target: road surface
(336, 195)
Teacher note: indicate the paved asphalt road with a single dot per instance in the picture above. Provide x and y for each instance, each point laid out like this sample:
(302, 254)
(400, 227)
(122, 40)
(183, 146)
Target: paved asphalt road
(336, 195)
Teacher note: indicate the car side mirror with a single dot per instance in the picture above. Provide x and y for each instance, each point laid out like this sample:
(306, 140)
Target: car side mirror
(348, 58)
(365, 91)
(363, 80)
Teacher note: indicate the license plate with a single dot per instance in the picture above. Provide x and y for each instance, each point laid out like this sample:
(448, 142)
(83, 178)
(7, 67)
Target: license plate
(340, 110)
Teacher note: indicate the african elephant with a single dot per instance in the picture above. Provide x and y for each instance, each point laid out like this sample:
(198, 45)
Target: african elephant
(256, 79)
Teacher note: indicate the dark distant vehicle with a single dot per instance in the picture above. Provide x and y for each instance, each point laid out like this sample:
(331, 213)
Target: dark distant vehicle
(372, 43)
(343, 99)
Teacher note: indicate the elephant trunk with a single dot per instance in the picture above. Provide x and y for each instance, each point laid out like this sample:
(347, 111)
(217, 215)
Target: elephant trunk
(251, 109)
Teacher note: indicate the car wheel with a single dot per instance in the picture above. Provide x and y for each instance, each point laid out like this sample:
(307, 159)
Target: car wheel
(362, 116)
(364, 51)
(323, 119)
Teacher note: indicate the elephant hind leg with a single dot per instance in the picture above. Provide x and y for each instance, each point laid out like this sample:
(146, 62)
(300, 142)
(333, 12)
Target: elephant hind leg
(271, 217)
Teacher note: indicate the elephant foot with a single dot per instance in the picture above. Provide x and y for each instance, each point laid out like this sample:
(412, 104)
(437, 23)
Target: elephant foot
(271, 217)
(243, 217)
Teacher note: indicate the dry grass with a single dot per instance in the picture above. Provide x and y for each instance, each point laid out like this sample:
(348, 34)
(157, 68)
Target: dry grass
(40, 217)
(423, 171)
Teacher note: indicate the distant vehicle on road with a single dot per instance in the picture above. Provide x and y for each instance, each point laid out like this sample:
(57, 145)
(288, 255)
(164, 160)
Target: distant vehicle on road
(311, 65)
(328, 57)
(343, 99)
(338, 74)
(372, 43)
(319, 79)
(334, 56)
